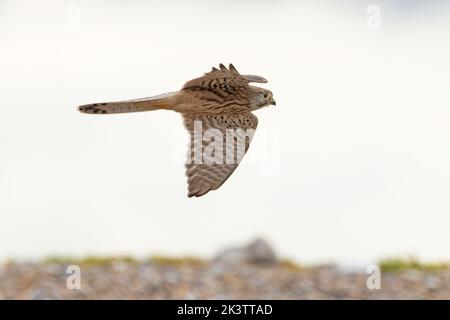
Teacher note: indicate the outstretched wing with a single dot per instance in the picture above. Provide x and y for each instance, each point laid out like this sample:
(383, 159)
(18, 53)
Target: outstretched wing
(217, 145)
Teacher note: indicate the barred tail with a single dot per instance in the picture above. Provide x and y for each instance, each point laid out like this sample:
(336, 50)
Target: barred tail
(164, 101)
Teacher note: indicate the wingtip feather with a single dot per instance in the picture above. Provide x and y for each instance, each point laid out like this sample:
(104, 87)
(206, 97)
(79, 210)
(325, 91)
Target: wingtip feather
(233, 69)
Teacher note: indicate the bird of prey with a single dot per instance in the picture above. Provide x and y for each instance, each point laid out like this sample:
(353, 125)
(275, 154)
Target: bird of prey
(217, 112)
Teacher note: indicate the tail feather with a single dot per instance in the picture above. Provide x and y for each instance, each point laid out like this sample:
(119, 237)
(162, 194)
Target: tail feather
(164, 101)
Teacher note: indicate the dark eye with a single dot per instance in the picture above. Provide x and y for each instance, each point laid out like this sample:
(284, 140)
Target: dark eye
(265, 95)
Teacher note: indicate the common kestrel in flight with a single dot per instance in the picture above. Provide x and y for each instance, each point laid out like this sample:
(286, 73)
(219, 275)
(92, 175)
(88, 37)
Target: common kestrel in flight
(217, 105)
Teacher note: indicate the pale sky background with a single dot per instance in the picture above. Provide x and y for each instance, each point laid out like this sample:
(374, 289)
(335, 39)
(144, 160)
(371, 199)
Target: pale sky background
(352, 165)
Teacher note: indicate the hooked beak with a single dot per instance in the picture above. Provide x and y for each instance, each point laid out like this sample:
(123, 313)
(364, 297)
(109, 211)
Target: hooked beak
(273, 102)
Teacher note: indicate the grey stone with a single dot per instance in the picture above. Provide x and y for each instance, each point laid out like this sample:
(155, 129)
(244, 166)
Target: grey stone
(256, 252)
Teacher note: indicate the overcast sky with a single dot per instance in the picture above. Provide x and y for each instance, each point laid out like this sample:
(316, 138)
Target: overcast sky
(353, 163)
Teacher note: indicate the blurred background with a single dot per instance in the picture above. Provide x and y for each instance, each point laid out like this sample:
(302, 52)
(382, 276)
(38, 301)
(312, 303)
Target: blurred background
(353, 164)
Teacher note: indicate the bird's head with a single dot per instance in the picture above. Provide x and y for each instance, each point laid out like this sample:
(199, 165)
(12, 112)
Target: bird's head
(261, 97)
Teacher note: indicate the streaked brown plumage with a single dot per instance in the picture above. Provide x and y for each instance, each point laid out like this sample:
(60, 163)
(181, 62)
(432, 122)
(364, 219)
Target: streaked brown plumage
(222, 99)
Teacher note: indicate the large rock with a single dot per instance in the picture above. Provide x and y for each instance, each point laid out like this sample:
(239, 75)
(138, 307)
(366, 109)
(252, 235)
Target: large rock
(256, 252)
